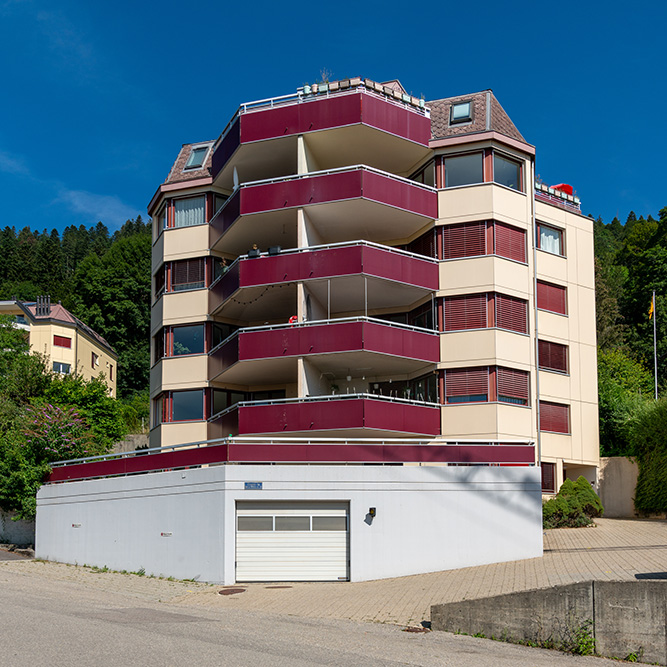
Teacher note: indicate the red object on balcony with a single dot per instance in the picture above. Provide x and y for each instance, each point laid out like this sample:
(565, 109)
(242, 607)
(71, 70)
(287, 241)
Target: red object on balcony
(564, 187)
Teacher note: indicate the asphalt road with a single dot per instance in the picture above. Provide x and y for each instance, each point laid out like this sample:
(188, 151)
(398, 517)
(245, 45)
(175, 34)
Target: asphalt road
(47, 622)
(10, 555)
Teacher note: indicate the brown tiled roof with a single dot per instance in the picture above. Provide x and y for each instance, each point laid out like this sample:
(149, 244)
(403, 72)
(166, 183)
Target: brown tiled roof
(59, 313)
(487, 116)
(177, 175)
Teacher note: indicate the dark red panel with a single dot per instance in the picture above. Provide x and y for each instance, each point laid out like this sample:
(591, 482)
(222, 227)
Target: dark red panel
(554, 417)
(464, 240)
(396, 120)
(552, 356)
(511, 313)
(226, 148)
(552, 297)
(510, 242)
(400, 194)
(393, 266)
(299, 453)
(465, 312)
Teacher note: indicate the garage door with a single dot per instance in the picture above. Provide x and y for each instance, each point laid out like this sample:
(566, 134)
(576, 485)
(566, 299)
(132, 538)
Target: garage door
(291, 541)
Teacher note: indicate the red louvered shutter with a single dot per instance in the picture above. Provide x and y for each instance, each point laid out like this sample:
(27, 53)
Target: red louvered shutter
(464, 240)
(549, 477)
(552, 356)
(467, 385)
(513, 386)
(511, 313)
(465, 312)
(554, 417)
(510, 242)
(552, 297)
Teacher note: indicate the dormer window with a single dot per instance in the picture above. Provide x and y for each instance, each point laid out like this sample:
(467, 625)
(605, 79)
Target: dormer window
(197, 157)
(461, 112)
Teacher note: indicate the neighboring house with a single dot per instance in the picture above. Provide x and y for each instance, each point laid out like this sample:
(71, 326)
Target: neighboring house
(70, 345)
(378, 326)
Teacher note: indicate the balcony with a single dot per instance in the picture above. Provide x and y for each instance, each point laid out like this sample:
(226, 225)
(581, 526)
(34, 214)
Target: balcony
(387, 277)
(349, 415)
(265, 355)
(340, 204)
(295, 450)
(348, 125)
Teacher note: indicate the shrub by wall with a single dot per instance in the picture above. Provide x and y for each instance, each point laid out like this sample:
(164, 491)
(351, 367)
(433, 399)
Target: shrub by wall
(576, 505)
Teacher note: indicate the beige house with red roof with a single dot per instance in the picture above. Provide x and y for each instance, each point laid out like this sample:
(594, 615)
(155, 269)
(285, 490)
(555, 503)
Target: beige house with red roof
(70, 345)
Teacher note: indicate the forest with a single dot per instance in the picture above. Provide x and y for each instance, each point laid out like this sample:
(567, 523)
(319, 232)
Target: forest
(105, 280)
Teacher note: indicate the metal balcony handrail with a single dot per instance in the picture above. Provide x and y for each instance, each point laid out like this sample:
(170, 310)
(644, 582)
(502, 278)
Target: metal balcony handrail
(337, 170)
(330, 246)
(301, 97)
(321, 441)
(327, 398)
(309, 323)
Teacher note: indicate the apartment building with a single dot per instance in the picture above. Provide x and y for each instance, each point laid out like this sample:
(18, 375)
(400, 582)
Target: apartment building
(373, 347)
(70, 345)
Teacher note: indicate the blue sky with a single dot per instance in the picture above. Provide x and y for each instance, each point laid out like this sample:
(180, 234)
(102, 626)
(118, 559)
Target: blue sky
(97, 97)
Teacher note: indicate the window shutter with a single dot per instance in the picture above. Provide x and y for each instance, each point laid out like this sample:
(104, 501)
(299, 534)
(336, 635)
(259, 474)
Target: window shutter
(461, 382)
(513, 385)
(554, 417)
(549, 477)
(552, 356)
(465, 312)
(511, 313)
(62, 341)
(464, 240)
(188, 272)
(510, 242)
(551, 297)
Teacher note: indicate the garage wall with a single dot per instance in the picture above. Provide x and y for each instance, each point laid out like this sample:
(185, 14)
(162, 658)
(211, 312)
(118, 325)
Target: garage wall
(182, 523)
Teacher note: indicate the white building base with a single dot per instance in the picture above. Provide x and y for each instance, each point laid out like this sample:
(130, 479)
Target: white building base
(183, 523)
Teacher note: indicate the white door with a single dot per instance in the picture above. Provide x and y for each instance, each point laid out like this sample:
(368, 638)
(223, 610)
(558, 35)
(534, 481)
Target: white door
(291, 541)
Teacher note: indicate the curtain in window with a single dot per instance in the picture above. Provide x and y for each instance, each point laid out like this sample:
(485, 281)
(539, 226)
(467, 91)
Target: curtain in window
(189, 212)
(550, 240)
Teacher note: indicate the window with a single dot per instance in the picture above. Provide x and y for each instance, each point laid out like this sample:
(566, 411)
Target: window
(59, 367)
(62, 341)
(464, 240)
(554, 417)
(507, 172)
(188, 340)
(551, 297)
(510, 241)
(187, 274)
(487, 383)
(465, 312)
(460, 112)
(187, 405)
(552, 356)
(219, 201)
(159, 282)
(548, 477)
(426, 175)
(220, 332)
(422, 316)
(463, 170)
(189, 212)
(550, 239)
(511, 313)
(423, 245)
(512, 385)
(94, 360)
(110, 372)
(197, 157)
(467, 385)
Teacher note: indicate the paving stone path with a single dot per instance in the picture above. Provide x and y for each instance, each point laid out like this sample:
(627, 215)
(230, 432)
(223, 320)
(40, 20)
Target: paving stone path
(614, 550)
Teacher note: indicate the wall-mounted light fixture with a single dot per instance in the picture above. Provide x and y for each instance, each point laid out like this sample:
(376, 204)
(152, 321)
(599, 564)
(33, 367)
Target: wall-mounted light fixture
(372, 512)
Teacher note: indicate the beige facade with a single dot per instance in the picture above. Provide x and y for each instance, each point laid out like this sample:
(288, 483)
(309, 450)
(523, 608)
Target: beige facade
(563, 262)
(68, 344)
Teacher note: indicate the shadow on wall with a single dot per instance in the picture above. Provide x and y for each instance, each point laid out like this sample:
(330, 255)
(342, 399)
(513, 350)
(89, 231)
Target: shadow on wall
(617, 484)
(21, 533)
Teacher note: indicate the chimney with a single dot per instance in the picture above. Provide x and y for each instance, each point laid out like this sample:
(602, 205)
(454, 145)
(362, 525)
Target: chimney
(43, 306)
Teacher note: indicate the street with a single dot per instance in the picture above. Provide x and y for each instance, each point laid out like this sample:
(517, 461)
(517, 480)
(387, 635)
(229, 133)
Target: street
(60, 622)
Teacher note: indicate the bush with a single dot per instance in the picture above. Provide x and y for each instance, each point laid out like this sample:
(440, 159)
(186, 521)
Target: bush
(575, 505)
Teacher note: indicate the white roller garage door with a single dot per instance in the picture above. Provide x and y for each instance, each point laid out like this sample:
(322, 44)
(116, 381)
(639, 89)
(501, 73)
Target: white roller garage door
(291, 541)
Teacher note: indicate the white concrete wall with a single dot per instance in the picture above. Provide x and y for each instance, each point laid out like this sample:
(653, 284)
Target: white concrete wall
(428, 519)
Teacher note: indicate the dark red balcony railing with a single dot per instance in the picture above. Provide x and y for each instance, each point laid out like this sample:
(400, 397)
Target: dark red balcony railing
(301, 114)
(326, 337)
(295, 450)
(331, 261)
(326, 187)
(330, 413)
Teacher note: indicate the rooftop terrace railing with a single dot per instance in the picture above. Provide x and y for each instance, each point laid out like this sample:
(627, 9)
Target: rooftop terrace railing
(316, 91)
